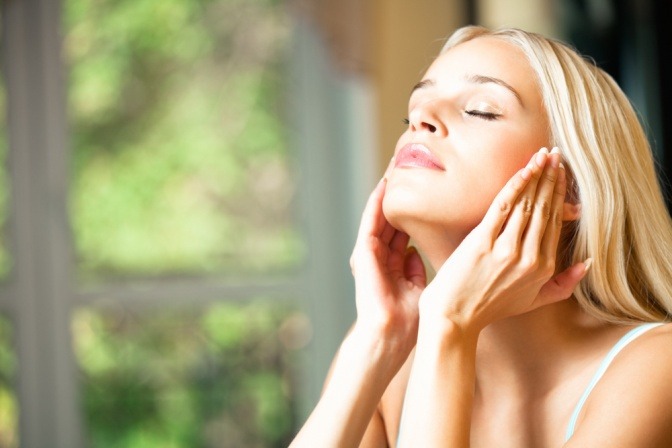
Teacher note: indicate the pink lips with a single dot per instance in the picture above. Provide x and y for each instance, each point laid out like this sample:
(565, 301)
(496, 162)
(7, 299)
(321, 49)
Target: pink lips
(416, 155)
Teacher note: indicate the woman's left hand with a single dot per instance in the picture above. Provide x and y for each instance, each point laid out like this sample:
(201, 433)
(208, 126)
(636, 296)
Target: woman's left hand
(504, 266)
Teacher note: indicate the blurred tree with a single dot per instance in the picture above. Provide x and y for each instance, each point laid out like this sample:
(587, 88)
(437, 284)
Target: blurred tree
(181, 166)
(219, 377)
(8, 409)
(181, 163)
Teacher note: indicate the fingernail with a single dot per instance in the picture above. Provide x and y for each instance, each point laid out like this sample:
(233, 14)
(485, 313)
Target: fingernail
(555, 159)
(587, 264)
(544, 150)
(562, 165)
(555, 150)
(541, 158)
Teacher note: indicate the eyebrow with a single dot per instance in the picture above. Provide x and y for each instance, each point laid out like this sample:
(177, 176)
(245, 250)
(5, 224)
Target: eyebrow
(480, 79)
(477, 79)
(423, 84)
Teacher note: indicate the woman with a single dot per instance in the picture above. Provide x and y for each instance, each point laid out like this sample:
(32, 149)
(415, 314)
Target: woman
(534, 332)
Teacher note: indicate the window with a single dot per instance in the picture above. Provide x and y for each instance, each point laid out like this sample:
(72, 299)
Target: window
(177, 204)
(182, 169)
(8, 406)
(181, 159)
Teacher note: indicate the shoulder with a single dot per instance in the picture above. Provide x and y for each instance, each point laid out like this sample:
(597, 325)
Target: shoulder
(631, 405)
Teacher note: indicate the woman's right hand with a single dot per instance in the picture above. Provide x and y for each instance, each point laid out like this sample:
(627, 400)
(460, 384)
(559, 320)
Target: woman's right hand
(389, 278)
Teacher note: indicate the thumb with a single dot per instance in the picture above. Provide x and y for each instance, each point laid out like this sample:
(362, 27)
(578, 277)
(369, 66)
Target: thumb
(414, 268)
(562, 285)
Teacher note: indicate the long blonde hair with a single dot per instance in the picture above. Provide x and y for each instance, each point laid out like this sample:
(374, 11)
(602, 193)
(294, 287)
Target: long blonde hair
(624, 226)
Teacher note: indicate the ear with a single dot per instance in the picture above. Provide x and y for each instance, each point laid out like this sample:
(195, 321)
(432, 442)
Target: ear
(571, 212)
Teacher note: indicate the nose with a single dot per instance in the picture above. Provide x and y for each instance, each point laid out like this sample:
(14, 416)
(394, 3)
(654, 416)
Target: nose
(425, 117)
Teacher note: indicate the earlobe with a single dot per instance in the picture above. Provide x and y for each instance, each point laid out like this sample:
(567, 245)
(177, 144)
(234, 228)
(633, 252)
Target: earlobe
(571, 212)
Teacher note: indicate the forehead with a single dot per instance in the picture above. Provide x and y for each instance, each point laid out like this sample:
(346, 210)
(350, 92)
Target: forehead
(486, 56)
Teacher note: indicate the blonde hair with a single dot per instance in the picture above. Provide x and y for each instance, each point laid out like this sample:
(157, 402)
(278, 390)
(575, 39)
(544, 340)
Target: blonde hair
(624, 226)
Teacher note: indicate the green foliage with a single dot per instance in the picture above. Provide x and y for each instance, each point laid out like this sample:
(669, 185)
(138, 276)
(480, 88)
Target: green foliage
(8, 407)
(181, 166)
(180, 160)
(184, 378)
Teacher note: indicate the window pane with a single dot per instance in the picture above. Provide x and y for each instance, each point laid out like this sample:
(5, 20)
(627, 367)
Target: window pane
(216, 377)
(181, 161)
(4, 186)
(8, 406)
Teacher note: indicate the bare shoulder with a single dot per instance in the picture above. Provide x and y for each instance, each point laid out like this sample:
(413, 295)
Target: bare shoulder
(631, 405)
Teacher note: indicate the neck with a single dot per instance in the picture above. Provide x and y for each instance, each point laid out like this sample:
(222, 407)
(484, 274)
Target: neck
(526, 352)
(435, 244)
(523, 352)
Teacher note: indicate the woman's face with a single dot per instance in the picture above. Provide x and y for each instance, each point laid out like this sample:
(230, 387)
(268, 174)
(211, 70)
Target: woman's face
(474, 120)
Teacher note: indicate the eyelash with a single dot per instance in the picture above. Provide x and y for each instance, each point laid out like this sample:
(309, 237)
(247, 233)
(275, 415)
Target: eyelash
(488, 116)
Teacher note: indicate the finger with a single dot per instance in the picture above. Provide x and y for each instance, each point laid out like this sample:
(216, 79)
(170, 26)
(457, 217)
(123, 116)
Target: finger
(543, 205)
(502, 205)
(414, 268)
(551, 238)
(387, 233)
(373, 221)
(522, 209)
(399, 242)
(562, 285)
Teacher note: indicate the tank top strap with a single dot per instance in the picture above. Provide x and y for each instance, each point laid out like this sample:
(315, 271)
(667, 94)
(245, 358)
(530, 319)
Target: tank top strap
(620, 345)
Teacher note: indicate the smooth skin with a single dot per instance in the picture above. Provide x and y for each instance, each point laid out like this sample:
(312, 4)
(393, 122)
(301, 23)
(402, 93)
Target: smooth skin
(503, 352)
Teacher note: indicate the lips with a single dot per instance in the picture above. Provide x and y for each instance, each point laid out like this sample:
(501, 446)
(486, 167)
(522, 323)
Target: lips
(416, 155)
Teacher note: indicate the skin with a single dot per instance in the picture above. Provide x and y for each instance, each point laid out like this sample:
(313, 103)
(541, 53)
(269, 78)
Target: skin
(441, 115)
(494, 351)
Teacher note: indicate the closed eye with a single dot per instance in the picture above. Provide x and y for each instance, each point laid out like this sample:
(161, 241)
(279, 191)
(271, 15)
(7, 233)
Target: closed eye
(489, 116)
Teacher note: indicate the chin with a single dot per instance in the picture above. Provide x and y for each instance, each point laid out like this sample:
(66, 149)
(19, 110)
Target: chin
(393, 214)
(403, 209)
(417, 214)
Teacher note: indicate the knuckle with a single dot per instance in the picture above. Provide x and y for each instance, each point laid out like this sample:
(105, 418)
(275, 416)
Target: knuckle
(548, 268)
(529, 263)
(557, 218)
(504, 206)
(526, 206)
(506, 255)
(544, 207)
(549, 177)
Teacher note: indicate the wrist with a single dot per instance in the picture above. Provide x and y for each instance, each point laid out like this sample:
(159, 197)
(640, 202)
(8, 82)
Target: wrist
(382, 350)
(442, 333)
